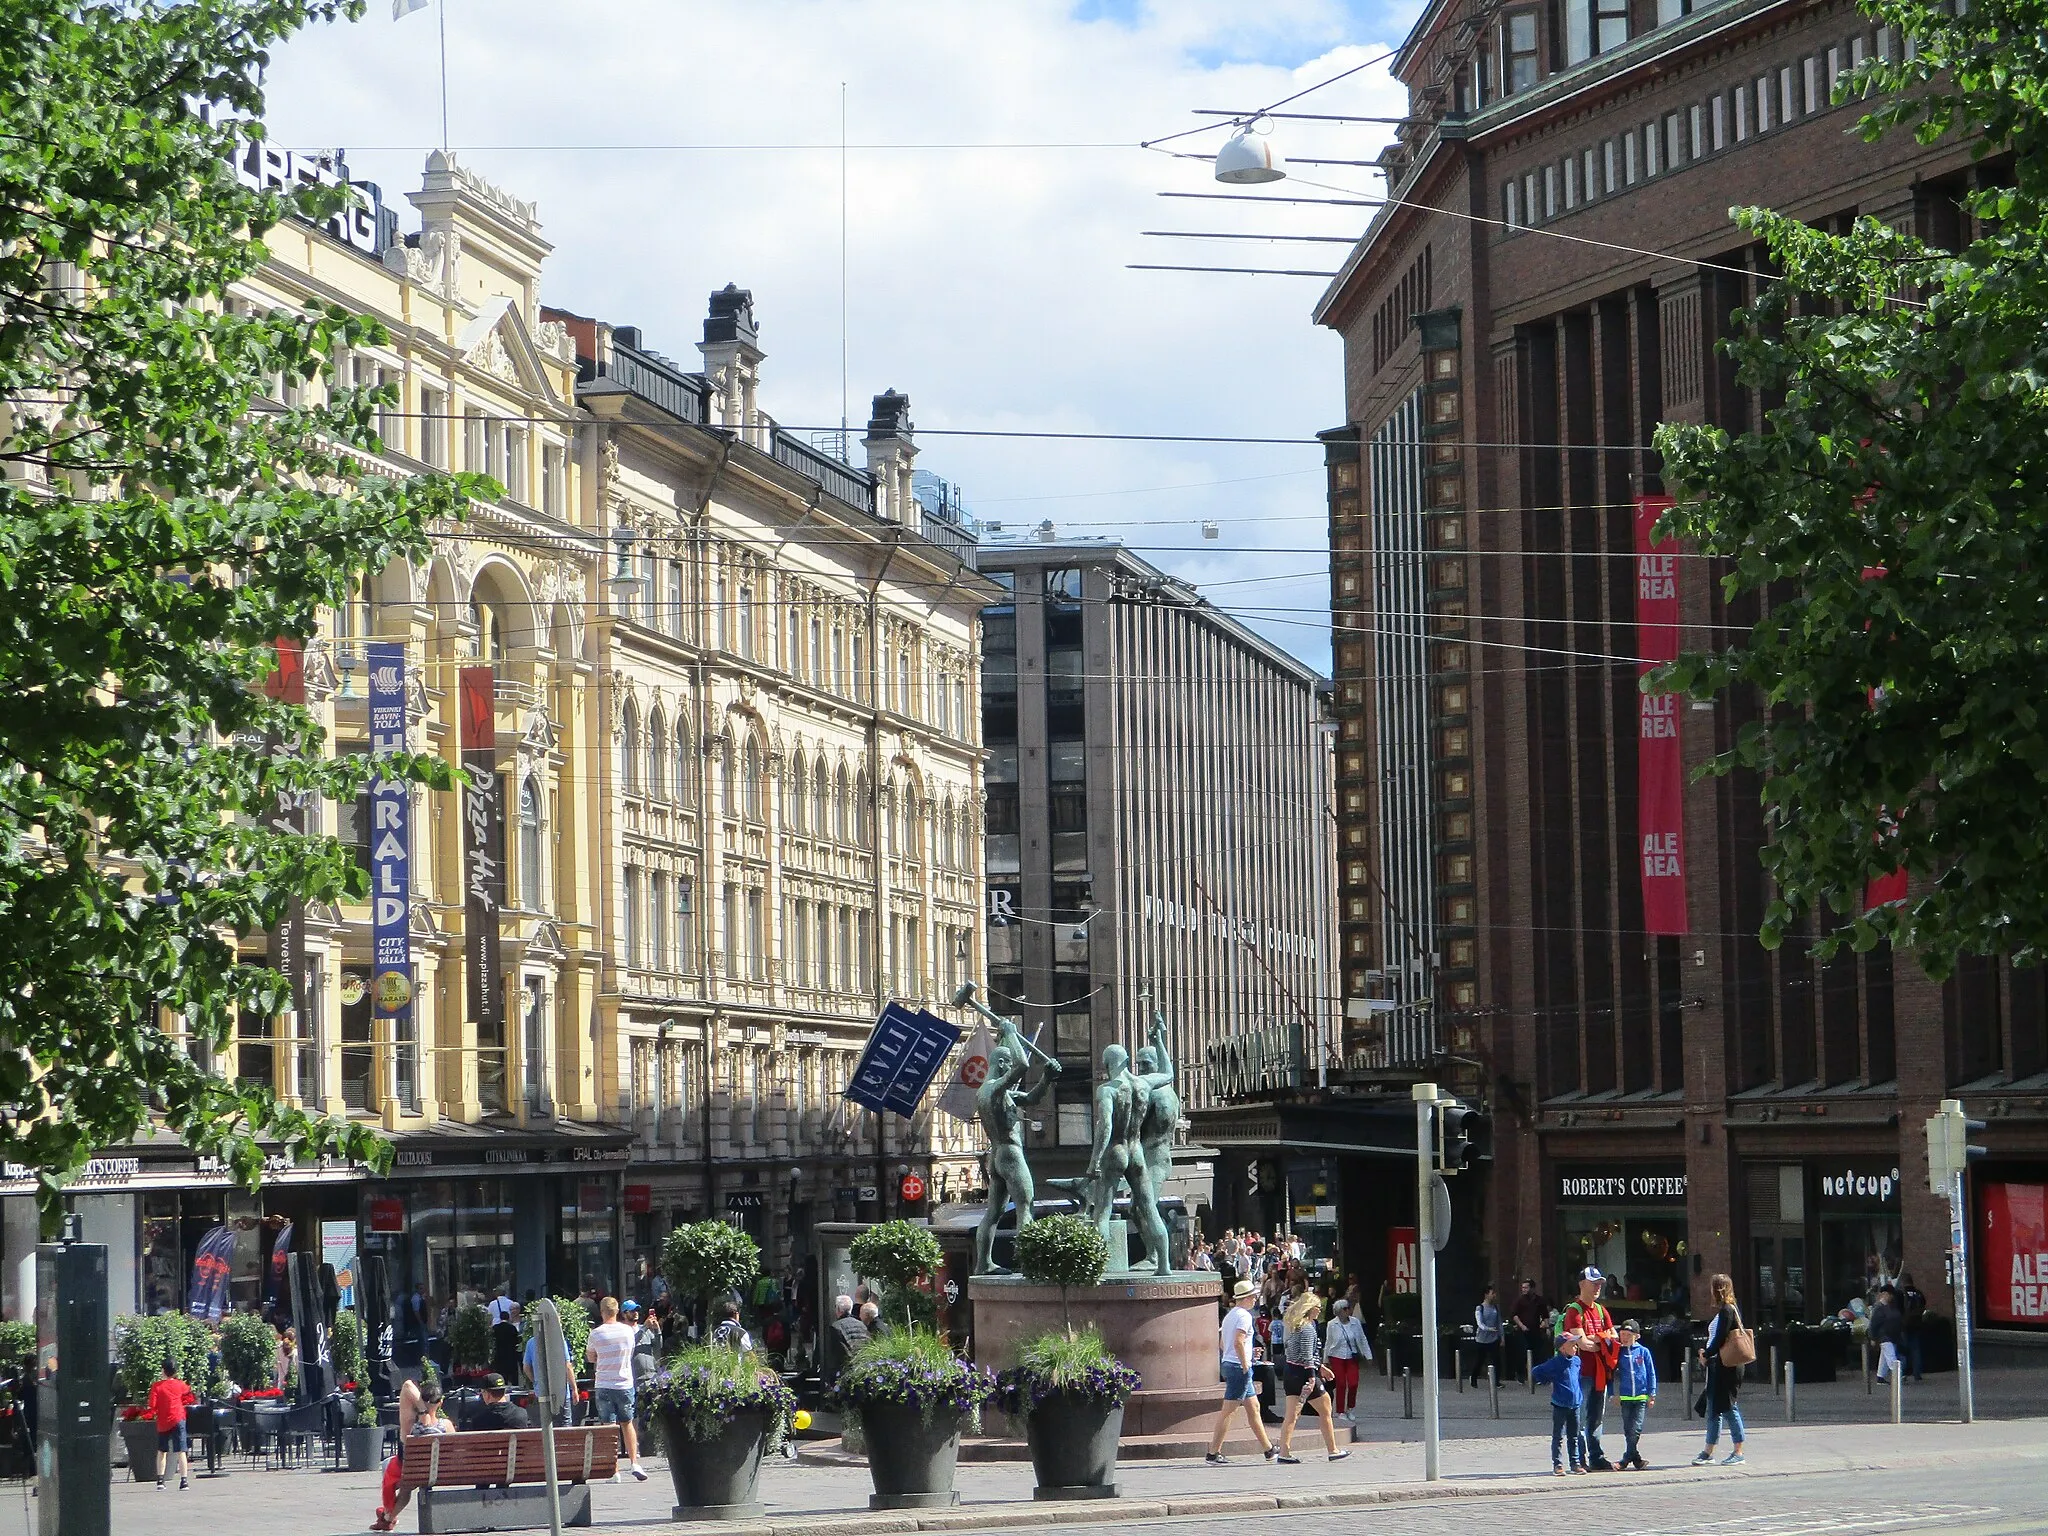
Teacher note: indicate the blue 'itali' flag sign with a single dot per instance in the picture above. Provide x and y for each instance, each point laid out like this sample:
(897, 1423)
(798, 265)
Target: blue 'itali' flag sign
(902, 1056)
(390, 840)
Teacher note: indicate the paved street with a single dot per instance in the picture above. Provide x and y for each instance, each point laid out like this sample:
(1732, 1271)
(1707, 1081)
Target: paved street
(1809, 1479)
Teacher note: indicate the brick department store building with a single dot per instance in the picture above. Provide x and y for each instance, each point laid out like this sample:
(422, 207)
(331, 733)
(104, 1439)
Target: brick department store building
(1666, 1105)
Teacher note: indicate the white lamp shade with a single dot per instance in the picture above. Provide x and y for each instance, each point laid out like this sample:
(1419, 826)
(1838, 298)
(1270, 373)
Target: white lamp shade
(1246, 160)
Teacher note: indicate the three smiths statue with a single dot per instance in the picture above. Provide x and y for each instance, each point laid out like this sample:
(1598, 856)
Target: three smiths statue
(999, 1102)
(1123, 1101)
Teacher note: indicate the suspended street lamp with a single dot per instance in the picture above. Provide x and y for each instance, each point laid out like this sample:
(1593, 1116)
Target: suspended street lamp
(1246, 159)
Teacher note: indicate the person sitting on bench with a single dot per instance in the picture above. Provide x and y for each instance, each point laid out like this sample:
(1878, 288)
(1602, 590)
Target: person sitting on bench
(494, 1412)
(419, 1413)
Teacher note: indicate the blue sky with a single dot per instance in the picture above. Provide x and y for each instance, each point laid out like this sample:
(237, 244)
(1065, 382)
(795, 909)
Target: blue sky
(673, 148)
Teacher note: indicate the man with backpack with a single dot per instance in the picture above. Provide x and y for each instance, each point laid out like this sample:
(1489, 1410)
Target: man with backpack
(1598, 1351)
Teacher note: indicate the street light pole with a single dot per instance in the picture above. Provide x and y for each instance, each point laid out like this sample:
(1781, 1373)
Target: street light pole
(1425, 1274)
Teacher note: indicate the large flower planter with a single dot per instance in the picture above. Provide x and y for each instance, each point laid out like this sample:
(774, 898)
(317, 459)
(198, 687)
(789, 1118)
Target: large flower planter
(1073, 1446)
(715, 1479)
(362, 1447)
(911, 1461)
(140, 1437)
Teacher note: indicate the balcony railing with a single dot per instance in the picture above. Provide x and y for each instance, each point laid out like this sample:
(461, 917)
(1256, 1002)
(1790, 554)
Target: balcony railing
(659, 383)
(951, 537)
(855, 487)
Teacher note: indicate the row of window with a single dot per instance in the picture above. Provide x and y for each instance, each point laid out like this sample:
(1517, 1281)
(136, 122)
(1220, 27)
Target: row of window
(818, 800)
(1773, 100)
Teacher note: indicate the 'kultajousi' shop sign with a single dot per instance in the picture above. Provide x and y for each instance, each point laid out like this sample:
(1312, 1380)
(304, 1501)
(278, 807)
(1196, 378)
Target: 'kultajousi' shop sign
(1609, 1186)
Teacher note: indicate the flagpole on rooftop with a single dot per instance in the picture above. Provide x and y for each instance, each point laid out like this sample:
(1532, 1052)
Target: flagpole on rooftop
(442, 10)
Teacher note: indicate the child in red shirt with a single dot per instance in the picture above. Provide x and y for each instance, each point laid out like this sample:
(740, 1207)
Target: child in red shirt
(168, 1400)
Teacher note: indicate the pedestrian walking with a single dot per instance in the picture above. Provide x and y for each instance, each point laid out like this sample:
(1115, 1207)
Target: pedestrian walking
(1729, 1347)
(1888, 1332)
(1486, 1329)
(1913, 1322)
(1305, 1376)
(169, 1398)
(1345, 1350)
(1595, 1325)
(1635, 1388)
(1236, 1370)
(1561, 1372)
(610, 1349)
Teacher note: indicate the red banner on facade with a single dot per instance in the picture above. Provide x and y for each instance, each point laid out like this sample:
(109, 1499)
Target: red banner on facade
(2012, 1249)
(1403, 1262)
(1660, 755)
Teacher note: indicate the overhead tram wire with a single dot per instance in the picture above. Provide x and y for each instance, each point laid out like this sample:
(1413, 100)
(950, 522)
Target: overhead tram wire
(1266, 111)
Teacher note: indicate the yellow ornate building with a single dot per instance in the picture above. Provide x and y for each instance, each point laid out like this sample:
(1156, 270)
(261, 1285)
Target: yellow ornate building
(737, 805)
(792, 806)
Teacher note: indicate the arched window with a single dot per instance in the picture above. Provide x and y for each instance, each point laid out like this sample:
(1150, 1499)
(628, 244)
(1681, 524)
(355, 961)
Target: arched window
(530, 847)
(946, 834)
(743, 607)
(818, 653)
(913, 823)
(821, 799)
(885, 808)
(728, 793)
(799, 792)
(904, 699)
(863, 810)
(657, 757)
(629, 750)
(839, 661)
(860, 670)
(490, 632)
(842, 802)
(751, 780)
(686, 765)
(796, 641)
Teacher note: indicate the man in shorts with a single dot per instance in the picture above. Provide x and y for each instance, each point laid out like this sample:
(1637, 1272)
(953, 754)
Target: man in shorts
(611, 1348)
(168, 1400)
(1237, 1375)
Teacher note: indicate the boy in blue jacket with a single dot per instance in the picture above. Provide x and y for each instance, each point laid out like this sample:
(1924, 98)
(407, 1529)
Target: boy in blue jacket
(1635, 1387)
(1561, 1370)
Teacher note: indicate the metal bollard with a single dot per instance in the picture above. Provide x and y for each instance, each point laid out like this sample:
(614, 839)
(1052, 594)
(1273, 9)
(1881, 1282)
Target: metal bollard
(1458, 1365)
(1390, 1370)
(1407, 1394)
(1791, 1389)
(1898, 1403)
(1493, 1386)
(1685, 1379)
(1864, 1350)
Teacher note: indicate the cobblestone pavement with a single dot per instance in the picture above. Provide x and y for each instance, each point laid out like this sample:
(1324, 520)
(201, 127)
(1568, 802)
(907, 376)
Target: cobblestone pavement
(1865, 1478)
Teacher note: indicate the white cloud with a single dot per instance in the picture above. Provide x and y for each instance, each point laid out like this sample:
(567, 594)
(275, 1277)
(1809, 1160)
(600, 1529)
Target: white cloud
(989, 284)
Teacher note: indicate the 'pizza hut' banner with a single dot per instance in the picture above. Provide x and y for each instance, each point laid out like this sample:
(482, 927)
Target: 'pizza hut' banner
(1660, 758)
(2012, 1251)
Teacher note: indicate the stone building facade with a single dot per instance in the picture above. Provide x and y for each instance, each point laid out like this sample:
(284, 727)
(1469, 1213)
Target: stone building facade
(790, 823)
(1546, 285)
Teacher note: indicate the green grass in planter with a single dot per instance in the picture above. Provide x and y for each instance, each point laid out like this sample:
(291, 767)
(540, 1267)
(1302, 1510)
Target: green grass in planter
(1078, 1365)
(914, 1368)
(707, 1386)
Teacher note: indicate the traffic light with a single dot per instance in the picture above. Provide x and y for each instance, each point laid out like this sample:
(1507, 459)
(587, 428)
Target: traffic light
(1466, 1135)
(1949, 1152)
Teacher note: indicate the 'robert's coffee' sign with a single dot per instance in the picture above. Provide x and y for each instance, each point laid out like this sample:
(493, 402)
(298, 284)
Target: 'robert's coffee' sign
(1614, 1186)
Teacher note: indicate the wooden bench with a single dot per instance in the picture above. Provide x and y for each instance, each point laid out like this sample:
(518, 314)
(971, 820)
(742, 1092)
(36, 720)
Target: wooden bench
(496, 1479)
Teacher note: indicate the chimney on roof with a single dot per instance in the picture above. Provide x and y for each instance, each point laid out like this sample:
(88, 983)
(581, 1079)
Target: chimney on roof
(892, 457)
(732, 363)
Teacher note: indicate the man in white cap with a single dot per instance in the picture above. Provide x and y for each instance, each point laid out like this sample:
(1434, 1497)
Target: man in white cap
(1598, 1351)
(1237, 1375)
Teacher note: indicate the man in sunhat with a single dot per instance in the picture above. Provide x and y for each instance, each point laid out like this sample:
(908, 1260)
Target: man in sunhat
(1237, 1375)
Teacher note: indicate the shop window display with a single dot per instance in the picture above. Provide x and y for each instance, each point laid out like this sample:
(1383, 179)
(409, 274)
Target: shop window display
(1643, 1257)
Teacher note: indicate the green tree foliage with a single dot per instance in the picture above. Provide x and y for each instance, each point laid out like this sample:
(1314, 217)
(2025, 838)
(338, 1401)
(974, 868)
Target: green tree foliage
(160, 527)
(709, 1258)
(1063, 1251)
(1895, 719)
(248, 1349)
(345, 1346)
(469, 1336)
(900, 1254)
(576, 1326)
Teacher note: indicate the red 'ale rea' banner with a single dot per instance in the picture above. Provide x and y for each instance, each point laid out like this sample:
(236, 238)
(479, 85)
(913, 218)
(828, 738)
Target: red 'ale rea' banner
(2012, 1251)
(1660, 759)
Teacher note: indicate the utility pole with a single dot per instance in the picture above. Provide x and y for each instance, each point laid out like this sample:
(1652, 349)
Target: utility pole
(1949, 1155)
(1425, 1274)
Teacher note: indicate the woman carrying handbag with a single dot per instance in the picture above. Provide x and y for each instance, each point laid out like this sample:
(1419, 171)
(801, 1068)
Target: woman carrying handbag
(1730, 1347)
